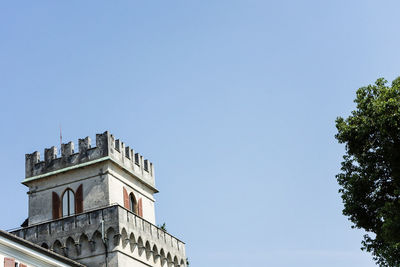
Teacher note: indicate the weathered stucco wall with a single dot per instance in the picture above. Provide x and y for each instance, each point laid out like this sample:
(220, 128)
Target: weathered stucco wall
(118, 179)
(93, 178)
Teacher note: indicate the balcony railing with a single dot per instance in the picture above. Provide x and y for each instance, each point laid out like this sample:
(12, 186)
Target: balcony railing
(88, 222)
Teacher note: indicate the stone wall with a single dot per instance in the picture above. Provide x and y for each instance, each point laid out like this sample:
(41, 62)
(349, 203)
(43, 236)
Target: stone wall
(93, 179)
(106, 146)
(129, 239)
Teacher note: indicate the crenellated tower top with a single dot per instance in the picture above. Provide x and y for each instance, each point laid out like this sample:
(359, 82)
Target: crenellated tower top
(107, 148)
(96, 205)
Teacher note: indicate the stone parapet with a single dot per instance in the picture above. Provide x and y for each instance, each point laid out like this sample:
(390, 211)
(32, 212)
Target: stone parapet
(106, 146)
(80, 236)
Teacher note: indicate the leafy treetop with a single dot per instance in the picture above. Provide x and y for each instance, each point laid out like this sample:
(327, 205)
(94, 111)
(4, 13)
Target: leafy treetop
(370, 174)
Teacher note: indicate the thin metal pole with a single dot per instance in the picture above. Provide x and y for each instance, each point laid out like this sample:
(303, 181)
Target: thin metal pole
(103, 237)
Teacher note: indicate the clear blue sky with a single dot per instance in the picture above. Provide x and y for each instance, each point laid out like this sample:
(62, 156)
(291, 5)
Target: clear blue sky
(234, 102)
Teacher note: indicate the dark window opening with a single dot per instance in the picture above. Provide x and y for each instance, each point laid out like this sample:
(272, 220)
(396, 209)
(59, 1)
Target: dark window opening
(132, 203)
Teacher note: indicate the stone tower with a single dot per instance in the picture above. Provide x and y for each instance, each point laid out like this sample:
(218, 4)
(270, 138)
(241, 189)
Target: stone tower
(96, 206)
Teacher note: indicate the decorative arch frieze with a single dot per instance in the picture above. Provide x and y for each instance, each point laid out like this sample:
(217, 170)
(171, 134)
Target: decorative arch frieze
(139, 239)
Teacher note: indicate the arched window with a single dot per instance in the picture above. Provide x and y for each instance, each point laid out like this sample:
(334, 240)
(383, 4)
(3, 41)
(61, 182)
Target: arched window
(132, 203)
(68, 203)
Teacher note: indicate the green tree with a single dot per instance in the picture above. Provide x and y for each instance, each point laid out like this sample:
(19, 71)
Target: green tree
(370, 174)
(163, 227)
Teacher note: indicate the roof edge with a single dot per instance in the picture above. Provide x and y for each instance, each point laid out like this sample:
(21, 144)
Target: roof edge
(39, 249)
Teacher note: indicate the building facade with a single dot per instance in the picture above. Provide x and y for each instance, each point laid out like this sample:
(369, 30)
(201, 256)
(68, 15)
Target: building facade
(96, 206)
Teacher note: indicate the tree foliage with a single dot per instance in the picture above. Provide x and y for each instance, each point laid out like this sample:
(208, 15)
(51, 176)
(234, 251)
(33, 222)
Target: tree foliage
(163, 227)
(370, 174)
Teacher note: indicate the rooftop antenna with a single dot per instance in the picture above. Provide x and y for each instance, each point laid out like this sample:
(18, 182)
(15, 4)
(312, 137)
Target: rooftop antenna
(60, 138)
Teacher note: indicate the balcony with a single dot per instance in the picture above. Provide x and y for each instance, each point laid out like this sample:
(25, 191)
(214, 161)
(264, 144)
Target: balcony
(87, 234)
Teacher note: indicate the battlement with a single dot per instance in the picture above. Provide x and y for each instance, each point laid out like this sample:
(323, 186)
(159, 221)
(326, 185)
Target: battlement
(78, 237)
(106, 146)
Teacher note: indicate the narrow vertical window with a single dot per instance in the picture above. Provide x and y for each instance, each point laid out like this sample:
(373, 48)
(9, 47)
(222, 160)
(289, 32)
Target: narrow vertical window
(68, 203)
(133, 203)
